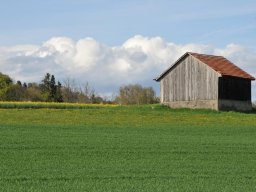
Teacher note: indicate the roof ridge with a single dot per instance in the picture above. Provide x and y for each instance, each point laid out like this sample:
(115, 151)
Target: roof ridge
(204, 54)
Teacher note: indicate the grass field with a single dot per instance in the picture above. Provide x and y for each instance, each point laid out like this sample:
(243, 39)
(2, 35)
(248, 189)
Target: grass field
(116, 148)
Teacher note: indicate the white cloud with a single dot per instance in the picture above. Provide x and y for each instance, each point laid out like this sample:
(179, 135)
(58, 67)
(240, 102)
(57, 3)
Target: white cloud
(137, 60)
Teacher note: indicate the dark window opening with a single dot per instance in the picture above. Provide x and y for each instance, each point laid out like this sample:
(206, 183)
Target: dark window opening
(234, 88)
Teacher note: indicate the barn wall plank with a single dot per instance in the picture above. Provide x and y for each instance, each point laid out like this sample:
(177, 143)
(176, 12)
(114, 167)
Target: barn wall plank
(188, 81)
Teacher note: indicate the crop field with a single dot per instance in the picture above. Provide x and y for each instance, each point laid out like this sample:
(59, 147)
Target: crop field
(126, 148)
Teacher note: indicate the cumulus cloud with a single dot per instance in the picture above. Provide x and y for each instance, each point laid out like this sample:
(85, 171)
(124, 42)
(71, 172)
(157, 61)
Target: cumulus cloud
(137, 60)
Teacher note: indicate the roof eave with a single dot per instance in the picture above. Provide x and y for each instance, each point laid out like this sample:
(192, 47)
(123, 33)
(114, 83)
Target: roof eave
(249, 78)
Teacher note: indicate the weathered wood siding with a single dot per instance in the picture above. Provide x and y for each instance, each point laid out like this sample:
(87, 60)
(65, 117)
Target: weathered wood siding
(189, 80)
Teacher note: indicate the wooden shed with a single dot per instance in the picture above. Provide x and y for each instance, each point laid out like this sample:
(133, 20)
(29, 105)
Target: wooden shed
(205, 81)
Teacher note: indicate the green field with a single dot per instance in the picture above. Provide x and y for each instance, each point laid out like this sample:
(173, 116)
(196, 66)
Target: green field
(146, 148)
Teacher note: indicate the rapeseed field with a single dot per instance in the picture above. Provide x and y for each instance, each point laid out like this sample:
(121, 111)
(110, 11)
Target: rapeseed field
(49, 105)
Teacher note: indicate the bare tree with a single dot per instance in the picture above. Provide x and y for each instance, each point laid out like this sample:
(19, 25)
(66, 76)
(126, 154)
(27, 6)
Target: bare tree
(79, 93)
(86, 93)
(69, 90)
(136, 94)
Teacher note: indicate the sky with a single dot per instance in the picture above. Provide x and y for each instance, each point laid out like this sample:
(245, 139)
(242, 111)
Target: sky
(117, 42)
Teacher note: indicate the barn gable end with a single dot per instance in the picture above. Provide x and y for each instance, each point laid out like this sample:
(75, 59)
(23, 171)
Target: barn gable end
(205, 81)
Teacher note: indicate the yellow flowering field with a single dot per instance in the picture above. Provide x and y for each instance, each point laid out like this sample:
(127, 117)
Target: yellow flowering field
(37, 105)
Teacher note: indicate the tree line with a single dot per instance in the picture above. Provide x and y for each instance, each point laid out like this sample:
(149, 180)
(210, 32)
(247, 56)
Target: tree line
(50, 90)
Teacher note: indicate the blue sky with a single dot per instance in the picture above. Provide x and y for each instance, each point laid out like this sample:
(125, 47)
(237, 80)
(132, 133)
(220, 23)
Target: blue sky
(127, 36)
(111, 22)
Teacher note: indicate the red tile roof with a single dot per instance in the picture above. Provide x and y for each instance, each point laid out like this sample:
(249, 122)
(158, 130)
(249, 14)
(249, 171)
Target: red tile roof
(218, 63)
(222, 65)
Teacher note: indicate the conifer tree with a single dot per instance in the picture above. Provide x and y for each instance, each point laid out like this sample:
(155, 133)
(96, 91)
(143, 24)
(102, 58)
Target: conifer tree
(50, 91)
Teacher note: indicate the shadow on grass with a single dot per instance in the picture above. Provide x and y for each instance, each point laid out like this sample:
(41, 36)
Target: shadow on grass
(251, 112)
(206, 111)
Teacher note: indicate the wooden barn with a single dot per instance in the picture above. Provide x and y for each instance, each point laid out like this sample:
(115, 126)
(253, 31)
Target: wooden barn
(205, 81)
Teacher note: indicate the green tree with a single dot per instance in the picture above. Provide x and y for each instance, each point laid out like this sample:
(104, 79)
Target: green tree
(45, 87)
(5, 83)
(19, 83)
(25, 85)
(34, 93)
(16, 92)
(53, 90)
(96, 99)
